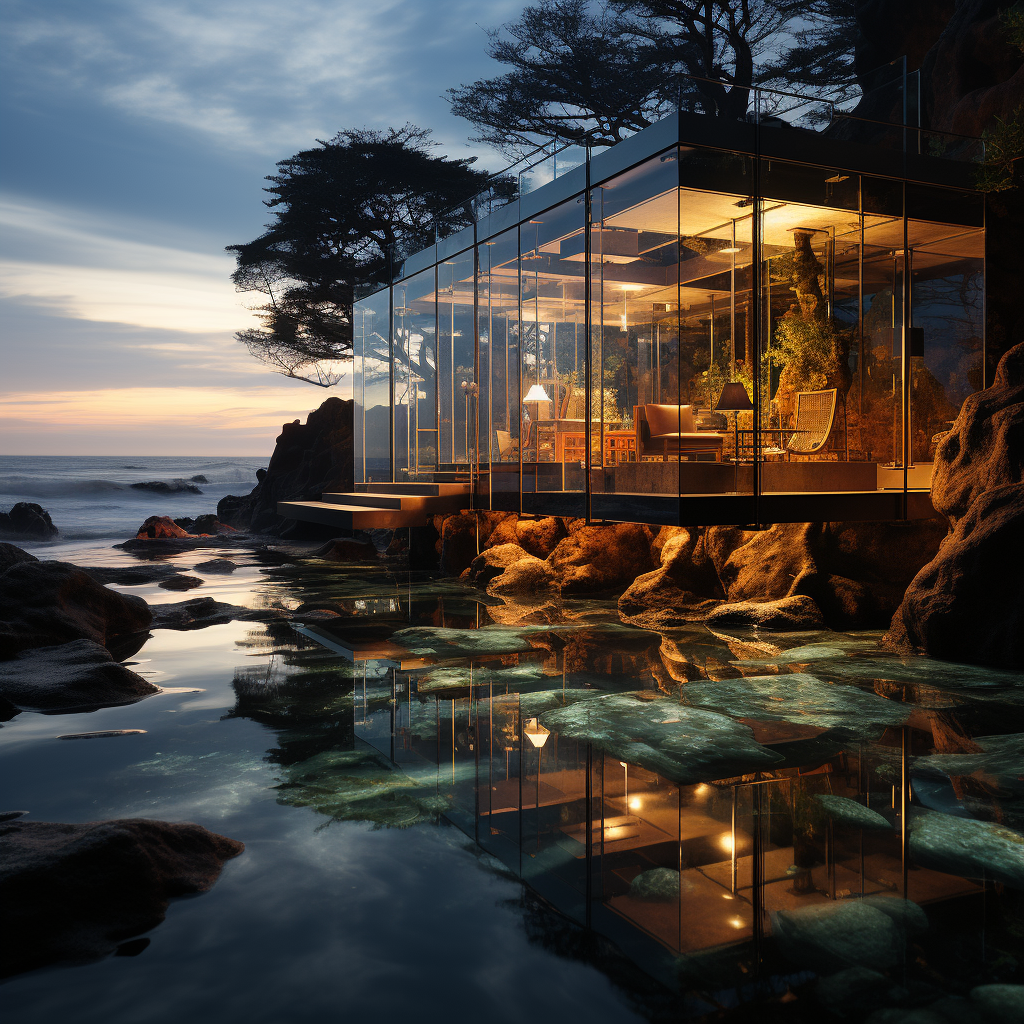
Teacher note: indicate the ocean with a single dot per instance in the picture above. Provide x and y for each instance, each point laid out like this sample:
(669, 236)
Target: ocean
(91, 498)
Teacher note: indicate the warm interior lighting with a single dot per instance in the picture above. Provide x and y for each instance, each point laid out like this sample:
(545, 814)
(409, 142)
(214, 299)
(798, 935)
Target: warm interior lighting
(536, 394)
(725, 841)
(736, 922)
(534, 731)
(632, 287)
(731, 249)
(702, 790)
(635, 804)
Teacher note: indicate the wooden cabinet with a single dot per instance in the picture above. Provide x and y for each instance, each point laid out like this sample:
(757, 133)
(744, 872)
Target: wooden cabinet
(619, 446)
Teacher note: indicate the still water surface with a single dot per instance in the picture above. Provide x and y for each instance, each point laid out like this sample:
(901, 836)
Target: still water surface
(701, 821)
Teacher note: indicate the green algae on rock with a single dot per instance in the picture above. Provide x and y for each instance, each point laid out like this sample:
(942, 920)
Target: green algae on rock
(658, 885)
(359, 785)
(965, 846)
(795, 697)
(833, 936)
(849, 812)
(682, 744)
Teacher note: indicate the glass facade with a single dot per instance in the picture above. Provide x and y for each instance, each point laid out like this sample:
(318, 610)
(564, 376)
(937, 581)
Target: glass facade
(693, 335)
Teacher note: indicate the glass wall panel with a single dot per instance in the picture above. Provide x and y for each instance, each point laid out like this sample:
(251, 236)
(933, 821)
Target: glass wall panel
(671, 325)
(415, 362)
(552, 386)
(456, 362)
(371, 387)
(498, 334)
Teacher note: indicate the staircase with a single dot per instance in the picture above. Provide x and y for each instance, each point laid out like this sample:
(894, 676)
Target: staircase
(380, 506)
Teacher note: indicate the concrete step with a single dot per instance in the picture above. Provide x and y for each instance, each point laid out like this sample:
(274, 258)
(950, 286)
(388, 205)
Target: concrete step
(426, 503)
(414, 487)
(350, 517)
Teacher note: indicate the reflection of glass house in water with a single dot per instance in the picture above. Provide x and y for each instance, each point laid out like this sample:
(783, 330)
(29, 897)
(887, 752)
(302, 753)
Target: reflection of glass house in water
(600, 315)
(710, 863)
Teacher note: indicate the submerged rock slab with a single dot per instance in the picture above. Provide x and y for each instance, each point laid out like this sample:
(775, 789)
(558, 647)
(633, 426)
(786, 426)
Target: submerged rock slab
(658, 885)
(1000, 1003)
(965, 846)
(683, 744)
(1001, 757)
(455, 643)
(77, 892)
(70, 677)
(829, 937)
(795, 697)
(360, 785)
(849, 812)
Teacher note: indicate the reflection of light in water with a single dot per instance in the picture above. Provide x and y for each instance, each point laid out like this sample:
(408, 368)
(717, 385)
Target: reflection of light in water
(736, 922)
(725, 841)
(635, 804)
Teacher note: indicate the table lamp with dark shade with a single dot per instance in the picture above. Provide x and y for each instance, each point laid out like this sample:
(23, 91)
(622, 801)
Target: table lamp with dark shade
(734, 399)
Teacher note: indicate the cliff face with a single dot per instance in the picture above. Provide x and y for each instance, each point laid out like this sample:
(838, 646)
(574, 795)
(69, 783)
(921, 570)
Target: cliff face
(967, 603)
(309, 458)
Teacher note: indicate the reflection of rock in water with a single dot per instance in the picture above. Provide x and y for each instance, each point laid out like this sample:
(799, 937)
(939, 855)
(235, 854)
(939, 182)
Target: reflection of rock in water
(78, 892)
(360, 785)
(324, 767)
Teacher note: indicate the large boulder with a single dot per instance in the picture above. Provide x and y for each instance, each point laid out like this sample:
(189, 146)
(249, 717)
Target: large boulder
(309, 459)
(76, 676)
(845, 575)
(595, 559)
(76, 893)
(28, 521)
(683, 588)
(967, 603)
(789, 614)
(43, 604)
(161, 528)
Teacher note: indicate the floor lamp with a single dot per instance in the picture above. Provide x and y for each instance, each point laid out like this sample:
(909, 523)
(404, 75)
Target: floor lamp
(734, 399)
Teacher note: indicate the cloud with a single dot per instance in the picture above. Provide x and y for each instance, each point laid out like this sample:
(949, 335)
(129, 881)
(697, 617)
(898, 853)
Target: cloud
(158, 421)
(72, 265)
(257, 75)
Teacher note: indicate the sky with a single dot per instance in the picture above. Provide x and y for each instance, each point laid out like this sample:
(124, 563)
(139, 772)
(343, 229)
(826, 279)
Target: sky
(136, 137)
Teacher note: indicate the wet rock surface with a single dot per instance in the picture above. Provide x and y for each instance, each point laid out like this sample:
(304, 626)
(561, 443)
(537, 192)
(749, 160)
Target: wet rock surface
(70, 677)
(347, 549)
(852, 813)
(43, 604)
(683, 744)
(788, 614)
(835, 936)
(965, 605)
(658, 885)
(217, 567)
(180, 581)
(200, 612)
(798, 698)
(309, 459)
(964, 846)
(76, 893)
(27, 521)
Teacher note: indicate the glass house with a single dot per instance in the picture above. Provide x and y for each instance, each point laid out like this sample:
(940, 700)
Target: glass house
(569, 353)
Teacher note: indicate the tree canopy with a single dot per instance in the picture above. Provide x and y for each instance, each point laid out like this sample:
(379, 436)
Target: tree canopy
(594, 72)
(338, 209)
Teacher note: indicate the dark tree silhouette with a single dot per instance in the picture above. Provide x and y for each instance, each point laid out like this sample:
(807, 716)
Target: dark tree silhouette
(338, 210)
(595, 72)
